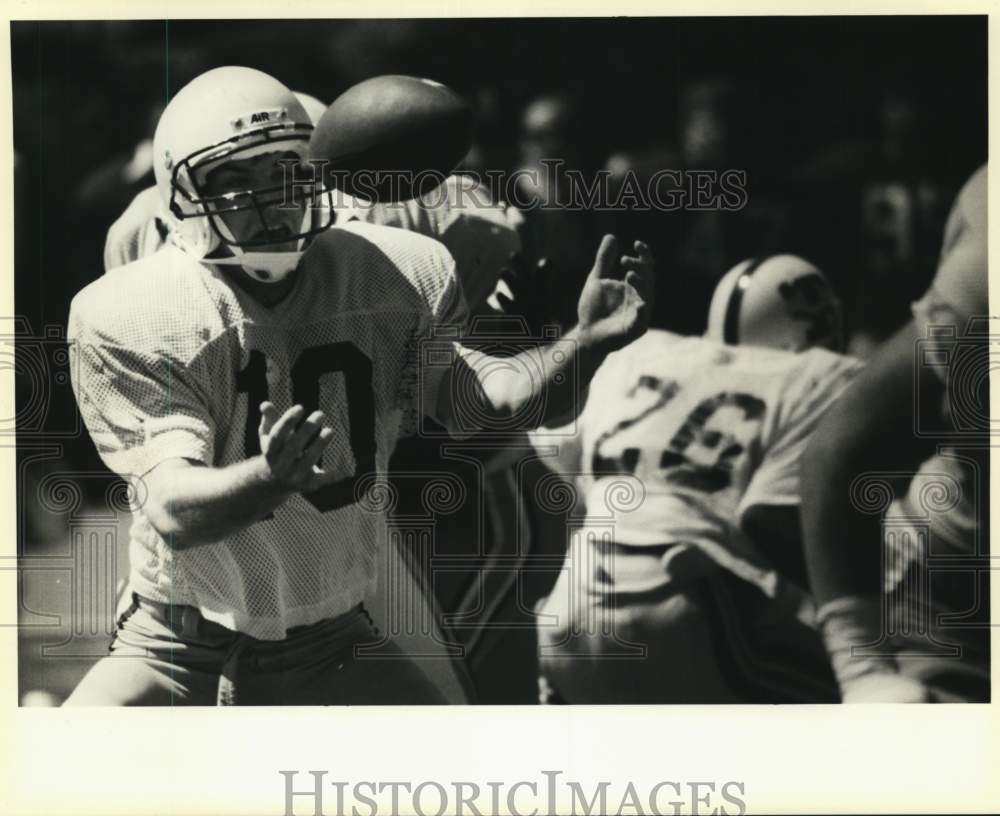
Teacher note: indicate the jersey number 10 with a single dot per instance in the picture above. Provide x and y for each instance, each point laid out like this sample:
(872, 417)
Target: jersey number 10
(312, 363)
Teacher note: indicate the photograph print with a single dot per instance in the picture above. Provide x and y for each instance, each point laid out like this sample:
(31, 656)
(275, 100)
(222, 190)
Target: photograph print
(541, 361)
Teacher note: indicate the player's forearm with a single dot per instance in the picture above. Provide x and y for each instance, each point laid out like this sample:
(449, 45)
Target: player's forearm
(869, 430)
(553, 376)
(191, 506)
(842, 547)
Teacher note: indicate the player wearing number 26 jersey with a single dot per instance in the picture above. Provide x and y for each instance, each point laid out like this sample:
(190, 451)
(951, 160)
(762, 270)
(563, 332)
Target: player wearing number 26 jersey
(665, 595)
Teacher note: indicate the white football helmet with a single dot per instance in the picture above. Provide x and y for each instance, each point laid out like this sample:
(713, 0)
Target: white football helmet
(782, 301)
(229, 114)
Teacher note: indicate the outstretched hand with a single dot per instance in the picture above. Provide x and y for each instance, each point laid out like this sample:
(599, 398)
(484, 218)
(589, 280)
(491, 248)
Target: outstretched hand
(613, 312)
(293, 446)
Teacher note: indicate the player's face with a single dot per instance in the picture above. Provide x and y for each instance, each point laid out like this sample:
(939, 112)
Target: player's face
(260, 219)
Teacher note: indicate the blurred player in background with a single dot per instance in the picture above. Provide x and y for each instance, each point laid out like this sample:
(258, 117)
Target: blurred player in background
(927, 629)
(686, 581)
(558, 226)
(711, 134)
(253, 536)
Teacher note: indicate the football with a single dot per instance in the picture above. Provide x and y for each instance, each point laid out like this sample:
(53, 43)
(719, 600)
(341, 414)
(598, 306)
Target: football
(392, 138)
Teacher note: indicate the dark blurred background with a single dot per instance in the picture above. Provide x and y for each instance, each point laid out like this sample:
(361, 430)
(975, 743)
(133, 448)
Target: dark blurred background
(855, 134)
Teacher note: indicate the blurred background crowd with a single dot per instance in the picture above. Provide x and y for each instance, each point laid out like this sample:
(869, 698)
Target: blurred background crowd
(855, 135)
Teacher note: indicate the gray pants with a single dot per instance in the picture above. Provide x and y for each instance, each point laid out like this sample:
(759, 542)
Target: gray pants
(170, 655)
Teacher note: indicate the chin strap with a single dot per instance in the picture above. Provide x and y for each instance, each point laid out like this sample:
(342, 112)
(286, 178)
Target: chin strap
(266, 267)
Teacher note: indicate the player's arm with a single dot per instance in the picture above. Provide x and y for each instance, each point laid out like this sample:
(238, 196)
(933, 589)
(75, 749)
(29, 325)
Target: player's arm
(872, 430)
(612, 313)
(190, 504)
(869, 429)
(148, 412)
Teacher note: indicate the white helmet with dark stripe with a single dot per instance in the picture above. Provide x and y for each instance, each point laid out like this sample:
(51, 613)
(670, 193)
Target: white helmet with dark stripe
(781, 301)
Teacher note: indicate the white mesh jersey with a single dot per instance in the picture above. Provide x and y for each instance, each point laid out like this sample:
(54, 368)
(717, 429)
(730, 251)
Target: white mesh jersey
(174, 362)
(681, 435)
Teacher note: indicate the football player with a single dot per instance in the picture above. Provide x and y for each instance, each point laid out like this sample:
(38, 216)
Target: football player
(926, 630)
(684, 581)
(481, 236)
(251, 379)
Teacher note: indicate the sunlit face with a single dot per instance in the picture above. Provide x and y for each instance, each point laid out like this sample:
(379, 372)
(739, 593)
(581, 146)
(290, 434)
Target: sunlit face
(267, 218)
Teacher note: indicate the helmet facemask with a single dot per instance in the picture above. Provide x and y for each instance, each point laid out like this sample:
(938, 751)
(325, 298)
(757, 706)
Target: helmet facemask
(245, 226)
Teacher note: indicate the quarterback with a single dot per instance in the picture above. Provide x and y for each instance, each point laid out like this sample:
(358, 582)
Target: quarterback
(252, 383)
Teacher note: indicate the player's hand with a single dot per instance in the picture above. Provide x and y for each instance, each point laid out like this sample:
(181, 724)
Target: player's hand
(292, 444)
(615, 312)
